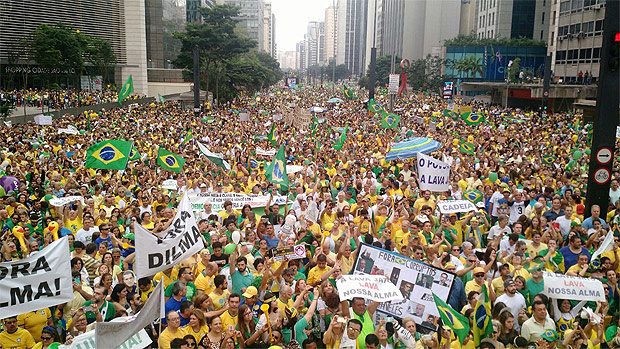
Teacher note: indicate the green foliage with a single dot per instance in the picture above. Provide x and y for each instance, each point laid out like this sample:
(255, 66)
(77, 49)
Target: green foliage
(468, 66)
(342, 72)
(226, 54)
(473, 40)
(5, 110)
(423, 74)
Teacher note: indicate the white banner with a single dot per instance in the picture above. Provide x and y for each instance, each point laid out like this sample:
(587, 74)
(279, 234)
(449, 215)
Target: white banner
(116, 332)
(455, 206)
(43, 119)
(8, 123)
(59, 202)
(415, 280)
(238, 200)
(169, 184)
(159, 251)
(68, 131)
(139, 340)
(572, 287)
(605, 246)
(373, 287)
(41, 280)
(261, 151)
(434, 175)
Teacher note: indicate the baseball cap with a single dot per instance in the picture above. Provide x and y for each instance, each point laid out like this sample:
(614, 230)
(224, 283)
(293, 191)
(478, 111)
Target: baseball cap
(203, 185)
(581, 209)
(250, 292)
(478, 270)
(508, 282)
(549, 335)
(129, 236)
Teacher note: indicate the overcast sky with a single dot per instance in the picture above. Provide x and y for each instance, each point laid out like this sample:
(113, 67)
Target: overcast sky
(292, 17)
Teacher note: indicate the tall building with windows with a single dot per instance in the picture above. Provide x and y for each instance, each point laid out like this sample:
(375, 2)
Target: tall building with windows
(300, 55)
(351, 35)
(269, 34)
(331, 26)
(512, 18)
(251, 18)
(192, 9)
(575, 39)
(314, 43)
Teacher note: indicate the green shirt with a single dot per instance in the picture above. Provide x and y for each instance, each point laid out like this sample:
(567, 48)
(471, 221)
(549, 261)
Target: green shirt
(107, 311)
(534, 288)
(191, 290)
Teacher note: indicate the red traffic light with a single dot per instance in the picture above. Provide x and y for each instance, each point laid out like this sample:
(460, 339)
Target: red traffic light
(617, 37)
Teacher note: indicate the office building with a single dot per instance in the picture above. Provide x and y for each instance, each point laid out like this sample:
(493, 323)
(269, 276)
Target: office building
(314, 44)
(512, 18)
(269, 31)
(300, 56)
(251, 18)
(331, 26)
(192, 9)
(575, 40)
(351, 35)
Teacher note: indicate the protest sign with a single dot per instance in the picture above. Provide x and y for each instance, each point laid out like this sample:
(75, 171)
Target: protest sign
(261, 151)
(244, 116)
(434, 175)
(238, 200)
(169, 184)
(415, 280)
(312, 212)
(373, 287)
(113, 334)
(455, 206)
(68, 131)
(43, 120)
(572, 287)
(139, 340)
(290, 252)
(59, 202)
(158, 251)
(41, 280)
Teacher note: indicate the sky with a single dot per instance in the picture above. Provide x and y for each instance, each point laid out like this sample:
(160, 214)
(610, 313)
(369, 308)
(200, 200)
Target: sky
(292, 17)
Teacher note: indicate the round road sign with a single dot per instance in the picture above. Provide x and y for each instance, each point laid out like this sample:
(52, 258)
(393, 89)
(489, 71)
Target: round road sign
(604, 156)
(602, 175)
(546, 93)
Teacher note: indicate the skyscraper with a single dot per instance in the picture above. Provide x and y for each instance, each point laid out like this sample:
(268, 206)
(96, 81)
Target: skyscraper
(351, 35)
(269, 34)
(512, 18)
(331, 20)
(251, 18)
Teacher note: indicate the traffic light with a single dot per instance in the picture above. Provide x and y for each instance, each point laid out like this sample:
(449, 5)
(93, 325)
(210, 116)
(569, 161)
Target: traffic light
(614, 57)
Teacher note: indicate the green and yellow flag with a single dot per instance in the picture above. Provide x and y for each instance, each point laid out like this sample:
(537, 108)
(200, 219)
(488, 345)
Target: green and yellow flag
(389, 120)
(548, 159)
(276, 171)
(348, 94)
(134, 154)
(126, 90)
(483, 327)
(453, 319)
(273, 137)
(450, 113)
(472, 119)
(109, 155)
(342, 139)
(467, 148)
(375, 107)
(188, 137)
(169, 160)
(475, 196)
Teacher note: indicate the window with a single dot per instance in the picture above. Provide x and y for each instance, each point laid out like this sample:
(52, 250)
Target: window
(553, 18)
(598, 26)
(564, 6)
(552, 38)
(543, 18)
(560, 56)
(541, 35)
(596, 52)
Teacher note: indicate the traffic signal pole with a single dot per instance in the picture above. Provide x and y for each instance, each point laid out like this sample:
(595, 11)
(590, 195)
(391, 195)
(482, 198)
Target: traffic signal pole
(606, 117)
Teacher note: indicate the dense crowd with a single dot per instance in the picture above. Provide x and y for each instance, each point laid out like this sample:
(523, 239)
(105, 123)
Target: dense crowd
(57, 99)
(531, 219)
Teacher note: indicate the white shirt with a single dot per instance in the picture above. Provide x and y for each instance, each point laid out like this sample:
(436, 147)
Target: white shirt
(514, 303)
(496, 196)
(504, 245)
(614, 195)
(496, 231)
(86, 236)
(564, 224)
(516, 210)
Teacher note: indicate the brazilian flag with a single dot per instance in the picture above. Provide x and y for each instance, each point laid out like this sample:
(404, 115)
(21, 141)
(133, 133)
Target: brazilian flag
(452, 114)
(467, 148)
(276, 172)
(188, 137)
(253, 164)
(389, 120)
(472, 119)
(475, 196)
(375, 107)
(126, 90)
(169, 160)
(548, 159)
(348, 94)
(110, 155)
(483, 327)
(273, 138)
(134, 154)
(342, 139)
(453, 319)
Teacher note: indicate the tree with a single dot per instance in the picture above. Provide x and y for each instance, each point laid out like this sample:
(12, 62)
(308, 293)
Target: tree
(342, 72)
(58, 46)
(512, 73)
(468, 66)
(99, 53)
(473, 40)
(5, 110)
(216, 38)
(383, 67)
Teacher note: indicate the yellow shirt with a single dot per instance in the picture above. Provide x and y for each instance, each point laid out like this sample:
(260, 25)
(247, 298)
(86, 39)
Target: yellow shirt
(283, 306)
(219, 300)
(228, 320)
(167, 336)
(472, 285)
(205, 283)
(34, 322)
(73, 224)
(498, 286)
(533, 251)
(167, 279)
(314, 276)
(197, 335)
(19, 339)
(346, 264)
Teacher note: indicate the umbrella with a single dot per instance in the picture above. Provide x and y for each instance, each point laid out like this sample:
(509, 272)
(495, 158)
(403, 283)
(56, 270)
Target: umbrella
(316, 110)
(410, 146)
(335, 100)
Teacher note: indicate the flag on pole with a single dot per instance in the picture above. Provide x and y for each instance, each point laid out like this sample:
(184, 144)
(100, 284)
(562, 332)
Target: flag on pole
(475, 196)
(467, 148)
(110, 155)
(169, 160)
(375, 107)
(134, 154)
(606, 245)
(483, 326)
(342, 139)
(389, 120)
(273, 137)
(160, 99)
(276, 171)
(217, 159)
(452, 114)
(472, 119)
(126, 90)
(452, 318)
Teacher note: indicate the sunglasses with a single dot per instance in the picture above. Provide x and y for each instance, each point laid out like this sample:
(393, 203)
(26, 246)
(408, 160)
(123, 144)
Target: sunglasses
(479, 275)
(46, 338)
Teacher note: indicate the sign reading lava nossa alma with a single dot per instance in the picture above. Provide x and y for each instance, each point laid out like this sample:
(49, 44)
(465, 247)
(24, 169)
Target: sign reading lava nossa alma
(374, 287)
(572, 287)
(159, 251)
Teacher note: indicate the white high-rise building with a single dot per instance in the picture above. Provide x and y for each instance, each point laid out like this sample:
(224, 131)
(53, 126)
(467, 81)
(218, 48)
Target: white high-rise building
(331, 21)
(269, 31)
(251, 17)
(512, 18)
